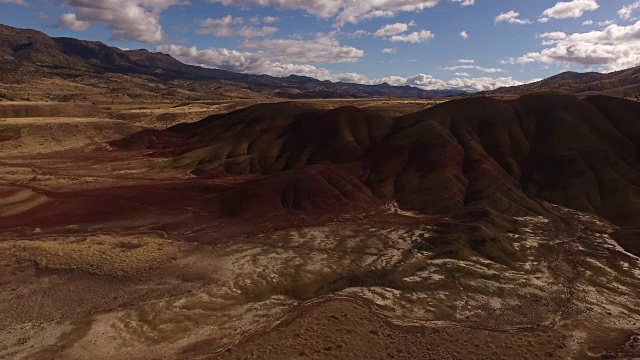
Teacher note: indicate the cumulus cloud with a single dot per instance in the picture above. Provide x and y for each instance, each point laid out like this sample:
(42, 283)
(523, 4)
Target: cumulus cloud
(245, 62)
(551, 38)
(472, 67)
(398, 33)
(261, 63)
(344, 11)
(615, 47)
(264, 20)
(508, 61)
(230, 26)
(393, 29)
(587, 22)
(428, 82)
(482, 83)
(414, 37)
(389, 51)
(568, 10)
(70, 21)
(465, 2)
(219, 27)
(462, 74)
(627, 11)
(464, 35)
(254, 32)
(324, 48)
(605, 22)
(137, 20)
(357, 33)
(511, 17)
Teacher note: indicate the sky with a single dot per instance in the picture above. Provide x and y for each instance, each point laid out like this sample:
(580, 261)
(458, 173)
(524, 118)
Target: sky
(469, 45)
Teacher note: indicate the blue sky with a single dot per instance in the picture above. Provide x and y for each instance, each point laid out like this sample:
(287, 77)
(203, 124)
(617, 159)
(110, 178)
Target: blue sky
(402, 42)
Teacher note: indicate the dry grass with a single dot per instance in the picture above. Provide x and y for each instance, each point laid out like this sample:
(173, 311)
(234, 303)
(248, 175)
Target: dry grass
(138, 106)
(45, 134)
(99, 254)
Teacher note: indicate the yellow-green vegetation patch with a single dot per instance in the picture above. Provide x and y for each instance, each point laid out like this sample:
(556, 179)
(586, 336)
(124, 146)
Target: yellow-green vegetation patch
(103, 254)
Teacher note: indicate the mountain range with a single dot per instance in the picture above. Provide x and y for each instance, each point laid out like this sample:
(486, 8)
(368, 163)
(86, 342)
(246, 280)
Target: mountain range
(93, 71)
(32, 64)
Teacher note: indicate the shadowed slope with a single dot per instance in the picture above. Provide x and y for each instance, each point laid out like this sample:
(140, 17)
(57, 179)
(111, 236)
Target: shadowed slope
(288, 164)
(480, 151)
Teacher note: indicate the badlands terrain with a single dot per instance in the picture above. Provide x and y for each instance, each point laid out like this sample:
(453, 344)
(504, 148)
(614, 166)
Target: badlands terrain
(372, 229)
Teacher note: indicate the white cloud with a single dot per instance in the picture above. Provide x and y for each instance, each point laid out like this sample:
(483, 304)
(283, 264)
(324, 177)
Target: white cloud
(615, 47)
(393, 29)
(482, 84)
(353, 78)
(264, 20)
(242, 62)
(17, 2)
(270, 19)
(605, 22)
(219, 27)
(511, 17)
(344, 11)
(70, 21)
(324, 48)
(260, 63)
(357, 33)
(137, 20)
(464, 35)
(551, 37)
(232, 60)
(430, 83)
(254, 32)
(587, 22)
(397, 33)
(414, 37)
(568, 10)
(508, 61)
(389, 51)
(465, 2)
(462, 74)
(229, 26)
(466, 61)
(472, 67)
(626, 12)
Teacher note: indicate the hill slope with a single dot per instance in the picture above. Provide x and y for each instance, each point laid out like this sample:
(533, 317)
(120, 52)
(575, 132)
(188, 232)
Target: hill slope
(624, 84)
(461, 155)
(109, 73)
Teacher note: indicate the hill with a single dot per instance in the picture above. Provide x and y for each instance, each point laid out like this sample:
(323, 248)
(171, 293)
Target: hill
(624, 84)
(503, 156)
(33, 63)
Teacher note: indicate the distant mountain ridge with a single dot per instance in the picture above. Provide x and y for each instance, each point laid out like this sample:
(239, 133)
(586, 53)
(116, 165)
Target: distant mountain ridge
(30, 54)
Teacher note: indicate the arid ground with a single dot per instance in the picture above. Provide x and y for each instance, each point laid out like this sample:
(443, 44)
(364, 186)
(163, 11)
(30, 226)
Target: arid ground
(122, 253)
